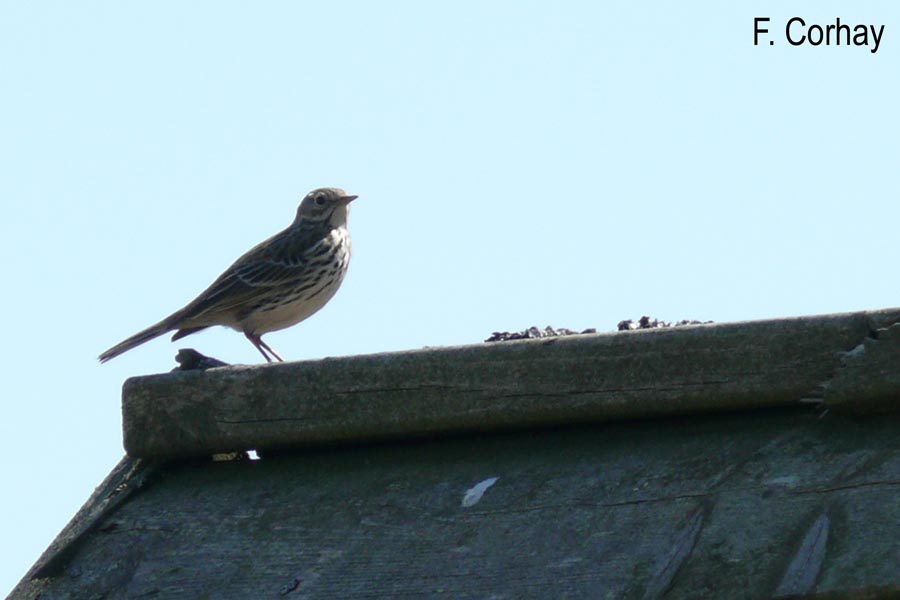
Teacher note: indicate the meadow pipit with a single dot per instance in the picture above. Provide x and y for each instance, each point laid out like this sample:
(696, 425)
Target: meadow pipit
(278, 283)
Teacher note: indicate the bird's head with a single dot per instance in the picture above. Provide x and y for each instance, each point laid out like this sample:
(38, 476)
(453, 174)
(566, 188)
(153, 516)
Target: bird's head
(325, 204)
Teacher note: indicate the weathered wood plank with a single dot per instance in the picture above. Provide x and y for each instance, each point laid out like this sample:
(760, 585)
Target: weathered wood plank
(869, 377)
(743, 505)
(491, 386)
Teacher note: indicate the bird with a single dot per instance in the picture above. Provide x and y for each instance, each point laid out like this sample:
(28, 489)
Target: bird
(274, 285)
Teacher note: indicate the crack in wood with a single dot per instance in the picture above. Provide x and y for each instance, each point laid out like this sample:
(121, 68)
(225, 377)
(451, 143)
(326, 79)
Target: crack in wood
(849, 486)
(592, 505)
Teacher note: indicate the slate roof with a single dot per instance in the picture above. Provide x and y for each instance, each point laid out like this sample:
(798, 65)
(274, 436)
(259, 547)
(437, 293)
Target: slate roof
(740, 460)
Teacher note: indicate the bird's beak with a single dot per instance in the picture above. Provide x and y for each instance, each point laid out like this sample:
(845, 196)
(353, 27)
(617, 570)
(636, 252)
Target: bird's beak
(348, 199)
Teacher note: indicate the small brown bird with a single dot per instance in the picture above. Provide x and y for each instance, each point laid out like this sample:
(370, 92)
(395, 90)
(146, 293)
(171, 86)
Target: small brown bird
(278, 283)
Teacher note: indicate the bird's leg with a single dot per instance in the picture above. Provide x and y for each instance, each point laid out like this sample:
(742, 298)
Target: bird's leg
(261, 346)
(269, 348)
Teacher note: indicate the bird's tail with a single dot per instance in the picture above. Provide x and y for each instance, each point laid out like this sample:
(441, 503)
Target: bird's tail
(137, 339)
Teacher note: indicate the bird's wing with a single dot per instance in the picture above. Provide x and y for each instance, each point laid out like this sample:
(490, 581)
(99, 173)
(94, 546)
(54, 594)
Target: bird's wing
(279, 261)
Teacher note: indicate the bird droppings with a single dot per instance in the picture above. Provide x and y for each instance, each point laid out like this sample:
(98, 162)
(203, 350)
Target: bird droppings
(474, 494)
(534, 333)
(644, 322)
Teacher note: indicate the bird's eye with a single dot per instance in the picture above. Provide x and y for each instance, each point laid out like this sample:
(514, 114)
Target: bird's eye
(320, 200)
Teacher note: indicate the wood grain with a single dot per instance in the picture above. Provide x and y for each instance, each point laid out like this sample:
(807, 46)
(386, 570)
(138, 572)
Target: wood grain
(529, 383)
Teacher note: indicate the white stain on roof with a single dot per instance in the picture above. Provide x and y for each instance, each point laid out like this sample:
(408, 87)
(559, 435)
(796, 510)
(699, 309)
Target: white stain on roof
(474, 494)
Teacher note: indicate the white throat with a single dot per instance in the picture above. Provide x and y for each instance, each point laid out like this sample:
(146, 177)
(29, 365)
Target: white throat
(338, 218)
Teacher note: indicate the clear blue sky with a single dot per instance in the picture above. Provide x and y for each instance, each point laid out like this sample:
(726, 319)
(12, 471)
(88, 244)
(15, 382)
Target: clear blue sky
(518, 163)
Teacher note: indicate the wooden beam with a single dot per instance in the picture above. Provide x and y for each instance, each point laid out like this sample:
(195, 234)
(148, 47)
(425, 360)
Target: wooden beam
(529, 383)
